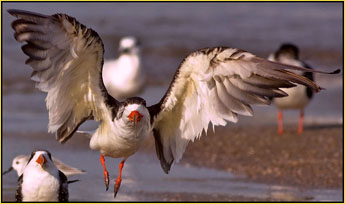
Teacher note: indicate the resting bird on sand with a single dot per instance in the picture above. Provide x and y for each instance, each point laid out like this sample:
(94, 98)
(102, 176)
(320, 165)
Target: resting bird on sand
(124, 77)
(299, 96)
(20, 161)
(41, 180)
(211, 85)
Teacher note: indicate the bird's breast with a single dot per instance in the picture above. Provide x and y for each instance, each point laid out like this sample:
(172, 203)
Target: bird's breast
(118, 141)
(40, 186)
(297, 98)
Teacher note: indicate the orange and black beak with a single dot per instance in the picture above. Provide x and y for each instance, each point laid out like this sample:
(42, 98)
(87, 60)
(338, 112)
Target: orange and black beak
(41, 160)
(135, 117)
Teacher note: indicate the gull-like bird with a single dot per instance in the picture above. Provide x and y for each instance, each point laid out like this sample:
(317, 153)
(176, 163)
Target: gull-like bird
(298, 96)
(211, 85)
(124, 76)
(41, 180)
(20, 161)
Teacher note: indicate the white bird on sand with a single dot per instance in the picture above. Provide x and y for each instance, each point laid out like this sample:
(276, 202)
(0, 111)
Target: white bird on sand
(124, 76)
(41, 180)
(20, 161)
(299, 96)
(211, 85)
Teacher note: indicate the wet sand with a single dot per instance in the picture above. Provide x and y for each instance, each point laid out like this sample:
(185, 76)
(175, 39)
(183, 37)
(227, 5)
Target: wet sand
(197, 197)
(312, 159)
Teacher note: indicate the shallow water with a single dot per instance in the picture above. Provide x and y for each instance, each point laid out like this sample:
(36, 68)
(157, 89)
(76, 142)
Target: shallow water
(143, 174)
(168, 32)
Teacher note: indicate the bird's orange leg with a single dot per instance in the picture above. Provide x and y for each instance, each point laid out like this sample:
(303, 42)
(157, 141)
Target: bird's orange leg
(300, 123)
(105, 172)
(280, 122)
(118, 180)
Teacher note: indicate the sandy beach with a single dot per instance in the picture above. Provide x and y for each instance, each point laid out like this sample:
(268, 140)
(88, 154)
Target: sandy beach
(312, 159)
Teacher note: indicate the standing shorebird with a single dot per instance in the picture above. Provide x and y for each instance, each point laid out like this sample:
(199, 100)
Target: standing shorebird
(20, 161)
(211, 85)
(299, 96)
(124, 76)
(41, 180)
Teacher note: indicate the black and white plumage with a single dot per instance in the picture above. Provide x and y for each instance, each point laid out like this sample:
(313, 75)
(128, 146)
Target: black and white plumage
(124, 77)
(299, 96)
(41, 180)
(20, 161)
(211, 85)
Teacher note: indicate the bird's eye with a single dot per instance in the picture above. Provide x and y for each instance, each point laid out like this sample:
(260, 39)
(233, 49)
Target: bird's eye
(17, 162)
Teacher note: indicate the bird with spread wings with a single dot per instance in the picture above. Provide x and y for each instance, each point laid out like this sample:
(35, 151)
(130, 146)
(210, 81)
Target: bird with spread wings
(211, 85)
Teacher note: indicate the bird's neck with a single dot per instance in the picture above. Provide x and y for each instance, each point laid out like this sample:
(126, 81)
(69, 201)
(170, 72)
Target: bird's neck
(137, 132)
(133, 57)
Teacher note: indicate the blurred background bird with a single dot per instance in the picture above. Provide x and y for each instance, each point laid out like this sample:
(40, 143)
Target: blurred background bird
(20, 161)
(41, 180)
(299, 96)
(124, 77)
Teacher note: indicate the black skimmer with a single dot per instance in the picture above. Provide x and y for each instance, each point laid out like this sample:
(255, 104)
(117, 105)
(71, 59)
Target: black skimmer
(211, 85)
(20, 161)
(299, 96)
(124, 77)
(41, 180)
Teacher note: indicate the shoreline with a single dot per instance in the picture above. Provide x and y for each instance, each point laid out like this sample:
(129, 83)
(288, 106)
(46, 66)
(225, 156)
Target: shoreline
(310, 160)
(313, 159)
(263, 159)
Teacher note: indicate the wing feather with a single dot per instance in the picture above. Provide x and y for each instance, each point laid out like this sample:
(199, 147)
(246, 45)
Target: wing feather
(231, 102)
(19, 195)
(63, 189)
(212, 86)
(67, 59)
(245, 97)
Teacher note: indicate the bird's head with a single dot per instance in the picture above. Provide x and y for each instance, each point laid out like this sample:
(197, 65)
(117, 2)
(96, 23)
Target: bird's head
(287, 50)
(41, 158)
(129, 45)
(135, 111)
(19, 163)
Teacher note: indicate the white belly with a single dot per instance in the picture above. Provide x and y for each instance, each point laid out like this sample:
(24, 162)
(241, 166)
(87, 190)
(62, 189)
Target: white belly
(118, 142)
(297, 98)
(40, 187)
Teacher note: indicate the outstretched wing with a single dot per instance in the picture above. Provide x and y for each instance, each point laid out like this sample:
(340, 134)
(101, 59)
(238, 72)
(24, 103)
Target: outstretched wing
(67, 60)
(19, 195)
(215, 85)
(66, 169)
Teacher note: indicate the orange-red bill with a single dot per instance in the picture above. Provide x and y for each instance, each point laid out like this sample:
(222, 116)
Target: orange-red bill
(41, 160)
(135, 116)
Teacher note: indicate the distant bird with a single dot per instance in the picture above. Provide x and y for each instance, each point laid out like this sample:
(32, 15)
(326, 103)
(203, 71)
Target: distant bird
(299, 96)
(20, 161)
(210, 85)
(124, 77)
(41, 180)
